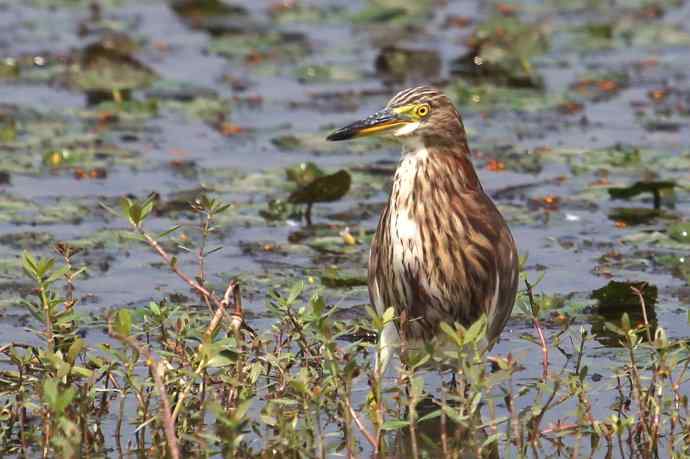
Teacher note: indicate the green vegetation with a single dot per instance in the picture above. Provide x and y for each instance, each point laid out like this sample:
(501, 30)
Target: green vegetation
(243, 331)
(204, 383)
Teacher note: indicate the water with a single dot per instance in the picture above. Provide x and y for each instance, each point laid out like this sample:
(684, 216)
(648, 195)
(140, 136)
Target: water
(260, 92)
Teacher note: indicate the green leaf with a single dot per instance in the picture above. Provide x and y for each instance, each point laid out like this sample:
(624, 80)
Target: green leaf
(242, 409)
(284, 401)
(50, 392)
(222, 359)
(123, 322)
(146, 208)
(477, 331)
(75, 349)
(169, 231)
(640, 187)
(103, 69)
(432, 415)
(680, 232)
(395, 424)
(388, 315)
(304, 173)
(327, 188)
(452, 334)
(625, 322)
(57, 275)
(154, 308)
(295, 291)
(29, 265)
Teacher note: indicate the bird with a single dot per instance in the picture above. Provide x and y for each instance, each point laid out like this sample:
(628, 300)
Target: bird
(442, 251)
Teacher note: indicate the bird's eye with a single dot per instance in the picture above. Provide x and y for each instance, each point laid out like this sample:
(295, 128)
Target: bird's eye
(422, 110)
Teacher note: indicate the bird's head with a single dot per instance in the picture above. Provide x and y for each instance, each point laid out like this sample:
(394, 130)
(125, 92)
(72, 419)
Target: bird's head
(418, 113)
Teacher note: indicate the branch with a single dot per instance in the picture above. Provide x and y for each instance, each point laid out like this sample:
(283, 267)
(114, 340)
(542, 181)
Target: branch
(540, 331)
(638, 292)
(360, 425)
(156, 369)
(201, 290)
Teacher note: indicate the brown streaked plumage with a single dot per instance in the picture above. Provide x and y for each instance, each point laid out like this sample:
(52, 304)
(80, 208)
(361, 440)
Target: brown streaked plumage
(442, 252)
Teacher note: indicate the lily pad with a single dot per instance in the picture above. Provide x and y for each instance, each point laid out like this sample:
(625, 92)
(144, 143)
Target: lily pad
(256, 48)
(500, 52)
(655, 188)
(479, 96)
(398, 64)
(678, 264)
(304, 173)
(337, 278)
(627, 30)
(28, 240)
(326, 188)
(279, 210)
(394, 12)
(618, 297)
(105, 70)
(214, 16)
(635, 215)
(680, 232)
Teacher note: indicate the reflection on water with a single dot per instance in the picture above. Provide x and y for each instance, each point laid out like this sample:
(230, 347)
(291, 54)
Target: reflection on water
(432, 434)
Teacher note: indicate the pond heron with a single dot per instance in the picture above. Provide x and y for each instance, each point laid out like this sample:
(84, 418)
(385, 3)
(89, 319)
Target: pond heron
(442, 251)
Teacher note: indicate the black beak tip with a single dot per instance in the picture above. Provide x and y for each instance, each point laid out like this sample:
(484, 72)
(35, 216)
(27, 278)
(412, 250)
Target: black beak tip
(340, 134)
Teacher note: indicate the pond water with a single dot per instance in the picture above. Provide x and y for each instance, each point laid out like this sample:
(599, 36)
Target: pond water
(602, 99)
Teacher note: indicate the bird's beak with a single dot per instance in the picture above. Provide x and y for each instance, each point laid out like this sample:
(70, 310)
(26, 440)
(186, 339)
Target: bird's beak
(378, 123)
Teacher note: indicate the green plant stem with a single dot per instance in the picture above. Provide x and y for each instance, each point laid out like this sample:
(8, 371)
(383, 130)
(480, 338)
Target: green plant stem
(48, 317)
(156, 368)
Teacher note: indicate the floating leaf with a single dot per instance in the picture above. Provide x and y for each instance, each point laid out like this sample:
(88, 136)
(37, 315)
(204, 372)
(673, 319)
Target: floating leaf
(500, 52)
(400, 64)
(304, 173)
(618, 296)
(123, 322)
(326, 188)
(680, 232)
(655, 188)
(616, 299)
(636, 215)
(339, 279)
(214, 16)
(107, 70)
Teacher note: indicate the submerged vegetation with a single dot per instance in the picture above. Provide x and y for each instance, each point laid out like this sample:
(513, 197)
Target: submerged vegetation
(226, 315)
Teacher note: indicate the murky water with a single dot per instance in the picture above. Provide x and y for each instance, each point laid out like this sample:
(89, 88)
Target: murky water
(549, 173)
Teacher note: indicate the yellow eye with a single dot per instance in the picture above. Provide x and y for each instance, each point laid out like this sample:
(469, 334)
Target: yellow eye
(422, 110)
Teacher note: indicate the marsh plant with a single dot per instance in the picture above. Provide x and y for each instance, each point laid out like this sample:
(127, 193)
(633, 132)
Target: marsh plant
(204, 382)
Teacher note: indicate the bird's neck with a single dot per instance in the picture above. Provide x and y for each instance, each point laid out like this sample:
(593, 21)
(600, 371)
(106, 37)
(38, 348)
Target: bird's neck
(429, 174)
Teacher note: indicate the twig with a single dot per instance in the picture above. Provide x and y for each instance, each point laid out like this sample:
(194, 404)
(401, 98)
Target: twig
(203, 291)
(444, 425)
(360, 425)
(156, 369)
(559, 428)
(643, 305)
(540, 332)
(220, 311)
(208, 295)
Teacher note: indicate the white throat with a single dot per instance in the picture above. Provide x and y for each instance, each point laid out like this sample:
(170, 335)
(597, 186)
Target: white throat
(406, 130)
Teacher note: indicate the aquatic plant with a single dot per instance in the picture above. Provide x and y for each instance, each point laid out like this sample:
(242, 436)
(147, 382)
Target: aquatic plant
(180, 382)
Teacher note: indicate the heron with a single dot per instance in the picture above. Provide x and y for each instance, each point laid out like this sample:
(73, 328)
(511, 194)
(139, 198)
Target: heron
(442, 251)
